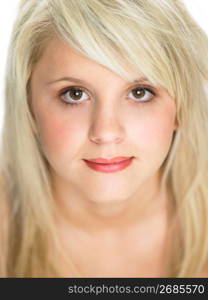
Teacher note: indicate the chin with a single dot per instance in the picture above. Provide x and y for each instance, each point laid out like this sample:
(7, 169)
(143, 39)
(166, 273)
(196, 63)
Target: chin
(108, 197)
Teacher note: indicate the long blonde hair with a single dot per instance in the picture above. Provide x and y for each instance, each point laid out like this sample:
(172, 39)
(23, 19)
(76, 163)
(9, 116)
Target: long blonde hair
(157, 38)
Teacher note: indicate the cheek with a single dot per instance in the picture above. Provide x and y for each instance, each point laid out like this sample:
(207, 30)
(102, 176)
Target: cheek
(57, 134)
(153, 133)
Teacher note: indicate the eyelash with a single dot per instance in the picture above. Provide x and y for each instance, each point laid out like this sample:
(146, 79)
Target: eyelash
(144, 87)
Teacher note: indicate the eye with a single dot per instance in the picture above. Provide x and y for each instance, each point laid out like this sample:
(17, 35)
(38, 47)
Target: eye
(142, 94)
(74, 95)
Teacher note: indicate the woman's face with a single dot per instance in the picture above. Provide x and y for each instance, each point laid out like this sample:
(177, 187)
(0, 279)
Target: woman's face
(113, 118)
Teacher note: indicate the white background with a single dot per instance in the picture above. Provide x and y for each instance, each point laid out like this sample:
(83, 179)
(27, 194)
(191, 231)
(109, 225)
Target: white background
(8, 10)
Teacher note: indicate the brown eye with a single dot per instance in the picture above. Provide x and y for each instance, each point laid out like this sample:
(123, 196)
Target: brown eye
(74, 95)
(143, 94)
(138, 93)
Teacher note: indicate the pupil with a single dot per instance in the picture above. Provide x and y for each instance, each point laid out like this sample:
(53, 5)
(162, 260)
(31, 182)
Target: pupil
(75, 93)
(138, 92)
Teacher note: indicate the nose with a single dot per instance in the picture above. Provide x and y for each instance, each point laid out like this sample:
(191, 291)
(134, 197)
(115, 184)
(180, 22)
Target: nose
(106, 125)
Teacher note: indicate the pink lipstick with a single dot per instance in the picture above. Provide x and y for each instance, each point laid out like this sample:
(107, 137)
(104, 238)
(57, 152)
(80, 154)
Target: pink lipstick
(109, 165)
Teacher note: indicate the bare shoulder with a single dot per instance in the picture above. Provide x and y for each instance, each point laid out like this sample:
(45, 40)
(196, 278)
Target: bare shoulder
(203, 273)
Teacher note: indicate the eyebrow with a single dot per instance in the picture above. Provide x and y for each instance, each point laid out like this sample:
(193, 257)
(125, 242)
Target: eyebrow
(140, 80)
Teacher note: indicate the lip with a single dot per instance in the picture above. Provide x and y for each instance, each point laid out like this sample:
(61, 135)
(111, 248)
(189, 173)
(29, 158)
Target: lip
(109, 161)
(115, 166)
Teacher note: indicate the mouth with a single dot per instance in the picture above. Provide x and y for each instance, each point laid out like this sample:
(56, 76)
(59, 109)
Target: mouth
(109, 165)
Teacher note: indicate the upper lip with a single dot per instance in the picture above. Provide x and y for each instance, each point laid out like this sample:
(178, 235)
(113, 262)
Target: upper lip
(108, 161)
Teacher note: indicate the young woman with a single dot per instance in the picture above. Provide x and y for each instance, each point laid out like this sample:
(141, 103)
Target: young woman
(104, 150)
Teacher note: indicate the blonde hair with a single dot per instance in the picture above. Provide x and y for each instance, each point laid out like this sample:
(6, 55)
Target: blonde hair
(157, 38)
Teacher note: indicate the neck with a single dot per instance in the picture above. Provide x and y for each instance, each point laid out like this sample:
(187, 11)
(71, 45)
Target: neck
(117, 216)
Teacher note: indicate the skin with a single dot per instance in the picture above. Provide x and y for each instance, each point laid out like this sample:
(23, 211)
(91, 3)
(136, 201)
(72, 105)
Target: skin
(104, 213)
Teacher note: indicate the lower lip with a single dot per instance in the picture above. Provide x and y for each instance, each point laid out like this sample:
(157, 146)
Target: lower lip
(109, 168)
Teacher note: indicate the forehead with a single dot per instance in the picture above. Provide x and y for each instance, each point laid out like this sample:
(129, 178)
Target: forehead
(58, 55)
(59, 60)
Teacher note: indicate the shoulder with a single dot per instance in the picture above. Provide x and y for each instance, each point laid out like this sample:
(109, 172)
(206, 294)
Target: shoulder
(203, 273)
